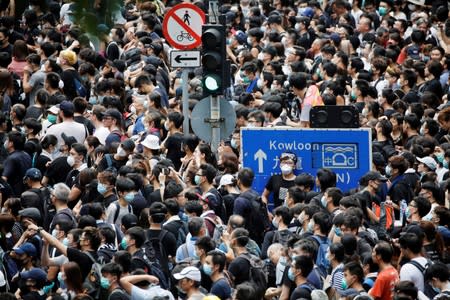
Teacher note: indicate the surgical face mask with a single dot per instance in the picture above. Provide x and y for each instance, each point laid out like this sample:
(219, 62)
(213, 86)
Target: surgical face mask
(101, 188)
(382, 11)
(422, 131)
(291, 275)
(70, 160)
(121, 152)
(40, 40)
(311, 226)
(197, 179)
(388, 170)
(337, 231)
(249, 41)
(408, 212)
(58, 60)
(411, 7)
(100, 99)
(445, 164)
(207, 269)
(323, 200)
(440, 157)
(260, 83)
(275, 223)
(285, 169)
(104, 283)
(133, 109)
(93, 100)
(124, 243)
(51, 119)
(166, 126)
(365, 112)
(60, 277)
(261, 56)
(344, 285)
(129, 197)
(65, 242)
(5, 144)
(233, 144)
(297, 26)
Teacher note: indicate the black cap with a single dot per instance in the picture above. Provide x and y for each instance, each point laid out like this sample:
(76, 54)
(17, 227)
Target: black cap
(373, 175)
(114, 113)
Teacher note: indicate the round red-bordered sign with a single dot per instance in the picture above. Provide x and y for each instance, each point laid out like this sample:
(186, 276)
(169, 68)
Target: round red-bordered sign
(182, 26)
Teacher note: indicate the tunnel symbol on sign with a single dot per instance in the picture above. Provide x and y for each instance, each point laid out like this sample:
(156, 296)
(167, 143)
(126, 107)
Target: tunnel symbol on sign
(340, 156)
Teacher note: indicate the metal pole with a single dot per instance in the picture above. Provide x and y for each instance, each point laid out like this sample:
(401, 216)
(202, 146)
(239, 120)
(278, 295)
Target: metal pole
(215, 116)
(185, 101)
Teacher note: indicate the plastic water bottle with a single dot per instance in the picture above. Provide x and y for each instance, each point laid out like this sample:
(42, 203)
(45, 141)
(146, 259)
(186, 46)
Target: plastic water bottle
(403, 206)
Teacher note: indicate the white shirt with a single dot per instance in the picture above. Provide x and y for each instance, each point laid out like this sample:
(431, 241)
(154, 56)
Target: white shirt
(411, 273)
(153, 291)
(70, 128)
(101, 133)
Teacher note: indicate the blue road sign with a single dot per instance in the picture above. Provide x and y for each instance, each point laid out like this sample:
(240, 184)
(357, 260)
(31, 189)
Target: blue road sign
(347, 152)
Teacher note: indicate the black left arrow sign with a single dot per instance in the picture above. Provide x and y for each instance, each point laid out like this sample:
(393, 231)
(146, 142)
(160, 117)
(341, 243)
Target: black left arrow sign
(179, 58)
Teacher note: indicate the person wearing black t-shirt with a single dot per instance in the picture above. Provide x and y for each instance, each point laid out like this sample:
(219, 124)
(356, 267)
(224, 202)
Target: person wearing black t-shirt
(172, 144)
(105, 186)
(239, 268)
(89, 243)
(279, 184)
(300, 267)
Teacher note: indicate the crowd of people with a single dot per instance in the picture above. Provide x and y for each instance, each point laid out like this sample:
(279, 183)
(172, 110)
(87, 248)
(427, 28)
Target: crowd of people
(103, 196)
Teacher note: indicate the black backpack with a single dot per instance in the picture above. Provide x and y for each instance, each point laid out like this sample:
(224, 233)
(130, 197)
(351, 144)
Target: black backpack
(282, 237)
(48, 209)
(257, 274)
(179, 229)
(258, 223)
(153, 268)
(155, 251)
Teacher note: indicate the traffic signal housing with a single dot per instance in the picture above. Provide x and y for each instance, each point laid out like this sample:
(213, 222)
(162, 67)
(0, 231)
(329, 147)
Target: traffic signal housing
(216, 69)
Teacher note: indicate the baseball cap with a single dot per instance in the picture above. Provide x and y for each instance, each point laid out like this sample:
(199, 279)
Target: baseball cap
(413, 52)
(417, 2)
(129, 220)
(226, 179)
(373, 175)
(27, 248)
(378, 159)
(151, 142)
(274, 19)
(308, 12)
(33, 173)
(67, 107)
(54, 109)
(30, 212)
(189, 272)
(428, 161)
(128, 145)
(157, 47)
(114, 113)
(36, 274)
(240, 36)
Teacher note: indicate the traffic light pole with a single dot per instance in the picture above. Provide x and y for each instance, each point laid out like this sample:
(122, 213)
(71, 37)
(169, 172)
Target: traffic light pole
(215, 123)
(185, 100)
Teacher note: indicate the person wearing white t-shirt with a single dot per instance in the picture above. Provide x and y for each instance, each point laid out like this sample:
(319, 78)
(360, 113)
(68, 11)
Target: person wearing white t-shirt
(68, 125)
(411, 247)
(101, 132)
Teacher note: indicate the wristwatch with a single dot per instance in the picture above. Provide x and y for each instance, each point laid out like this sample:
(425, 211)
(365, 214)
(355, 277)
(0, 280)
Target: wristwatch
(39, 230)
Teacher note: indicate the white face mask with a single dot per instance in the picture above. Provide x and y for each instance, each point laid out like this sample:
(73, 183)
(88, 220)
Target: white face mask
(285, 169)
(297, 26)
(58, 60)
(249, 41)
(121, 152)
(70, 160)
(260, 83)
(133, 109)
(166, 126)
(261, 56)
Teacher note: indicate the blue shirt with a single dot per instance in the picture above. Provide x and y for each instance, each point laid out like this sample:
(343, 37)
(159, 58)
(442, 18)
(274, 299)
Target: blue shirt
(139, 125)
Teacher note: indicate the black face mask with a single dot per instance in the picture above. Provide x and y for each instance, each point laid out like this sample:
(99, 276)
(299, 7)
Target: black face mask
(24, 288)
(223, 191)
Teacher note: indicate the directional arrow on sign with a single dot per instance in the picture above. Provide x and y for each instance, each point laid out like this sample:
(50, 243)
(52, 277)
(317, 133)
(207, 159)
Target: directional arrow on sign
(261, 157)
(185, 59)
(179, 58)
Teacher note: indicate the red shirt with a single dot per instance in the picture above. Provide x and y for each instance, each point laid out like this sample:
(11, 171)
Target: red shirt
(384, 285)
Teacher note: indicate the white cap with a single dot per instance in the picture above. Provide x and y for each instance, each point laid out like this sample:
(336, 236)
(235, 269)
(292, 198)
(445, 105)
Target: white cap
(417, 2)
(151, 141)
(226, 179)
(54, 109)
(189, 272)
(428, 161)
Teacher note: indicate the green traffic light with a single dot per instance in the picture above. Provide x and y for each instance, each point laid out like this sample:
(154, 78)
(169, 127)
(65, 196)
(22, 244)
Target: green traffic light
(211, 83)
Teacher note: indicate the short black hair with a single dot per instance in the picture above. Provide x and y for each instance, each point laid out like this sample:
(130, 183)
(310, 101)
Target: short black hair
(112, 268)
(209, 172)
(158, 212)
(246, 177)
(218, 258)
(176, 118)
(384, 249)
(137, 233)
(303, 263)
(411, 241)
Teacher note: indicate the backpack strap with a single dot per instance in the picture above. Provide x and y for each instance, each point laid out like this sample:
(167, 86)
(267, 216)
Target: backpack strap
(419, 266)
(116, 214)
(185, 251)
(306, 286)
(109, 162)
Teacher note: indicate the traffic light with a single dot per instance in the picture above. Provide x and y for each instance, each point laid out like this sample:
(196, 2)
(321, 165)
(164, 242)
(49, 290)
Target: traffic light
(216, 73)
